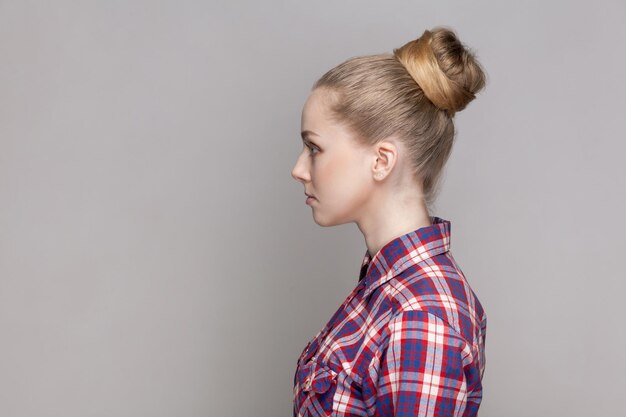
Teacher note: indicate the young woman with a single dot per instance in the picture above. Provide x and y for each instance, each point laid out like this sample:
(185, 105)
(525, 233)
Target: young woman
(410, 338)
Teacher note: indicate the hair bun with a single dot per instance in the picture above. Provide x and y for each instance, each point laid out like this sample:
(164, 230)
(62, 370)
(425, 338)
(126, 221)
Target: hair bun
(448, 74)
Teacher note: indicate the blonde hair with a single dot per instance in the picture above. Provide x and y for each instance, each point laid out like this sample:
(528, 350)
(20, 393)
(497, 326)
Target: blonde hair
(413, 93)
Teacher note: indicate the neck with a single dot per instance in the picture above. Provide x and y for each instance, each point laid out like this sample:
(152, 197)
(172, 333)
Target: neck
(392, 217)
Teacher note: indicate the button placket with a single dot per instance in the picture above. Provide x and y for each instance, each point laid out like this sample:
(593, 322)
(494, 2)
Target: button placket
(321, 338)
(307, 383)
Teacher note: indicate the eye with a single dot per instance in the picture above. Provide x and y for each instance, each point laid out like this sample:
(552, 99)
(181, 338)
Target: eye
(313, 150)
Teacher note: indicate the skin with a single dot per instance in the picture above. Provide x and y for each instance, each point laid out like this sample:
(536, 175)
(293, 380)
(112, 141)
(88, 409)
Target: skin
(371, 186)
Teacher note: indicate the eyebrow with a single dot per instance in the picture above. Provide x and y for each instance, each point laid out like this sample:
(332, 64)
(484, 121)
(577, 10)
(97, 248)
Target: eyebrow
(306, 133)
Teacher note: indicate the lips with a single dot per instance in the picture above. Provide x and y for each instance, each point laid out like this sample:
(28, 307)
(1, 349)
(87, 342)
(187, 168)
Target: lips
(309, 195)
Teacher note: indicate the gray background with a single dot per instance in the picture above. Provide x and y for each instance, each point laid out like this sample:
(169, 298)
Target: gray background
(157, 258)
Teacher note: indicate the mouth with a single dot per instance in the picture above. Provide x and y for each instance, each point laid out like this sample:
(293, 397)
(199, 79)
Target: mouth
(309, 195)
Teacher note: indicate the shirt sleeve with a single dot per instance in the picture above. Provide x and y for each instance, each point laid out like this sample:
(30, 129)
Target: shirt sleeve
(421, 370)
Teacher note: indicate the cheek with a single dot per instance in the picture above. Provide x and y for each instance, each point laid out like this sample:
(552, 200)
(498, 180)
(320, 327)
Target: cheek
(344, 178)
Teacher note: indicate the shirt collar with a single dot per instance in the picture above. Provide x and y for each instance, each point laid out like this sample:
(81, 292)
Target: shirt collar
(403, 251)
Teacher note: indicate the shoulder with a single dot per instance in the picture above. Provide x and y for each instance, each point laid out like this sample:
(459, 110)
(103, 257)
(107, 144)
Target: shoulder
(437, 287)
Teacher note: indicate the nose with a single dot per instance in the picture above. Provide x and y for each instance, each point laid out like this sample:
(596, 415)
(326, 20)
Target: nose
(300, 171)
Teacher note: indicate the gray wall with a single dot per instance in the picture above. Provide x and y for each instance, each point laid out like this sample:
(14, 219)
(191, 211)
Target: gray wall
(157, 258)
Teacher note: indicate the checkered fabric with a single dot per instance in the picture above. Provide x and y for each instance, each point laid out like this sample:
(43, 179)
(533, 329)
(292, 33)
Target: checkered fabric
(409, 340)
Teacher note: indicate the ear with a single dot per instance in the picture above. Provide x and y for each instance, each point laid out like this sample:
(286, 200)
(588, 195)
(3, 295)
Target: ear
(386, 156)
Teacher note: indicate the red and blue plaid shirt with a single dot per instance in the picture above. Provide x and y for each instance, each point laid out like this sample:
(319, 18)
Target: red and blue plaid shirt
(408, 341)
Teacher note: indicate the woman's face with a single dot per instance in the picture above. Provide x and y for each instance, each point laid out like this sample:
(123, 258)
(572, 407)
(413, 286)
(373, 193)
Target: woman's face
(332, 166)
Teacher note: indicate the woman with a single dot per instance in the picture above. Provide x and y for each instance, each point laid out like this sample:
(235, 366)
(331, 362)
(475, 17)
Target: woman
(409, 340)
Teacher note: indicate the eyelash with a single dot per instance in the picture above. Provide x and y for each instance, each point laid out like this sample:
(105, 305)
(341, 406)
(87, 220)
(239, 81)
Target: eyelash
(312, 149)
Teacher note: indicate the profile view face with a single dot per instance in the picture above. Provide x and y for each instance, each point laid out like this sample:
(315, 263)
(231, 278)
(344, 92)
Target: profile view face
(333, 167)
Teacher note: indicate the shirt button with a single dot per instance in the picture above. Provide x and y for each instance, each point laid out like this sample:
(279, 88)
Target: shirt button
(307, 383)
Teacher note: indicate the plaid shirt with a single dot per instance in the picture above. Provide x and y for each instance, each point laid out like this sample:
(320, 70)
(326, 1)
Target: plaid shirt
(409, 340)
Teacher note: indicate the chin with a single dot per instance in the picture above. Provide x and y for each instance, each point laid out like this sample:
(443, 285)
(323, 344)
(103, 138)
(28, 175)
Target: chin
(327, 222)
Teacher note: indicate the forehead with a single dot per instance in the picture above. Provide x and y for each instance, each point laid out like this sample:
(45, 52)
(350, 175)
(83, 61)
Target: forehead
(317, 116)
(316, 109)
